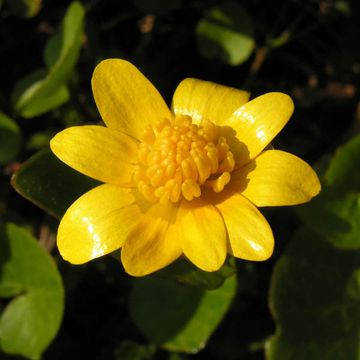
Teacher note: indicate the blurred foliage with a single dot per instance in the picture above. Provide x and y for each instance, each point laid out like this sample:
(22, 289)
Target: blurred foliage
(308, 49)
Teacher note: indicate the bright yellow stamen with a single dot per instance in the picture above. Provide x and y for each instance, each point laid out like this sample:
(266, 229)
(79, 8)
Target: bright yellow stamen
(176, 159)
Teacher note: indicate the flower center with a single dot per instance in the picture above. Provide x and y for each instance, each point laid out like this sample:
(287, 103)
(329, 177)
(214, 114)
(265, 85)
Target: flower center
(177, 159)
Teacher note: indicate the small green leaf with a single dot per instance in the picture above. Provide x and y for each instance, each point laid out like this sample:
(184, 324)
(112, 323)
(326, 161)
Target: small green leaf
(335, 213)
(25, 8)
(314, 297)
(226, 32)
(10, 139)
(25, 92)
(50, 184)
(65, 43)
(179, 317)
(186, 273)
(46, 89)
(31, 320)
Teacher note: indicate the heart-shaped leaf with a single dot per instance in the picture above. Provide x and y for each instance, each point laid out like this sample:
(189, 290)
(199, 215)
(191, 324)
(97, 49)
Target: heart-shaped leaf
(315, 301)
(179, 317)
(50, 184)
(28, 274)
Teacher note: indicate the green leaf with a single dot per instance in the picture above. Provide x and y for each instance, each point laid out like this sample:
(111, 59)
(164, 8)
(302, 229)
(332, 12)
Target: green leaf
(226, 32)
(65, 43)
(186, 273)
(344, 172)
(335, 213)
(178, 317)
(50, 184)
(10, 139)
(25, 8)
(314, 297)
(31, 320)
(42, 104)
(44, 90)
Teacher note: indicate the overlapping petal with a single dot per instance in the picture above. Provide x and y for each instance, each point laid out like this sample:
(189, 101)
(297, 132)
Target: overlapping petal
(97, 223)
(152, 244)
(125, 98)
(257, 122)
(207, 100)
(202, 234)
(276, 178)
(249, 234)
(98, 152)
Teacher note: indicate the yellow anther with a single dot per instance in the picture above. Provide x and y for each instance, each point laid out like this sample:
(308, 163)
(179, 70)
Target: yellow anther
(170, 170)
(227, 164)
(143, 153)
(148, 193)
(218, 184)
(214, 162)
(176, 159)
(175, 193)
(203, 168)
(222, 148)
(190, 189)
(157, 177)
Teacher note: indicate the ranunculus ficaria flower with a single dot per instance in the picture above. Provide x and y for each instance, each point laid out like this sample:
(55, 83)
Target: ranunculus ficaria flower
(184, 181)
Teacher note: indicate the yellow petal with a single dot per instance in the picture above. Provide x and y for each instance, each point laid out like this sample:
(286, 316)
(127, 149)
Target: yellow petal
(98, 152)
(257, 122)
(126, 99)
(152, 244)
(202, 233)
(250, 236)
(97, 223)
(206, 100)
(276, 178)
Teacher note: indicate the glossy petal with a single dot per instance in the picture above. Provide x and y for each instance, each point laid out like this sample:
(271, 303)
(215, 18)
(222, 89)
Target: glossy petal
(202, 233)
(126, 99)
(153, 243)
(97, 223)
(257, 122)
(98, 152)
(206, 100)
(250, 236)
(276, 178)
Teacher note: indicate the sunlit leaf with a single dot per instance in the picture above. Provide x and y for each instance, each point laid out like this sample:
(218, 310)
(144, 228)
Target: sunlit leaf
(50, 184)
(10, 139)
(45, 89)
(28, 275)
(178, 317)
(226, 32)
(315, 301)
(335, 213)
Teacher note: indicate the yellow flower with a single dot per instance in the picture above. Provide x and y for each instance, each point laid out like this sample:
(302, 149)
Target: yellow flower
(185, 181)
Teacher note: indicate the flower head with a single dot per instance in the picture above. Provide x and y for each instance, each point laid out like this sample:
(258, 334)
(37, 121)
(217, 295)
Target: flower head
(185, 181)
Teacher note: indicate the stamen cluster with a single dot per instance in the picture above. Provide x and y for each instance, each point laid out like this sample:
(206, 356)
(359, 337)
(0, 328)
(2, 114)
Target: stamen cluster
(178, 158)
